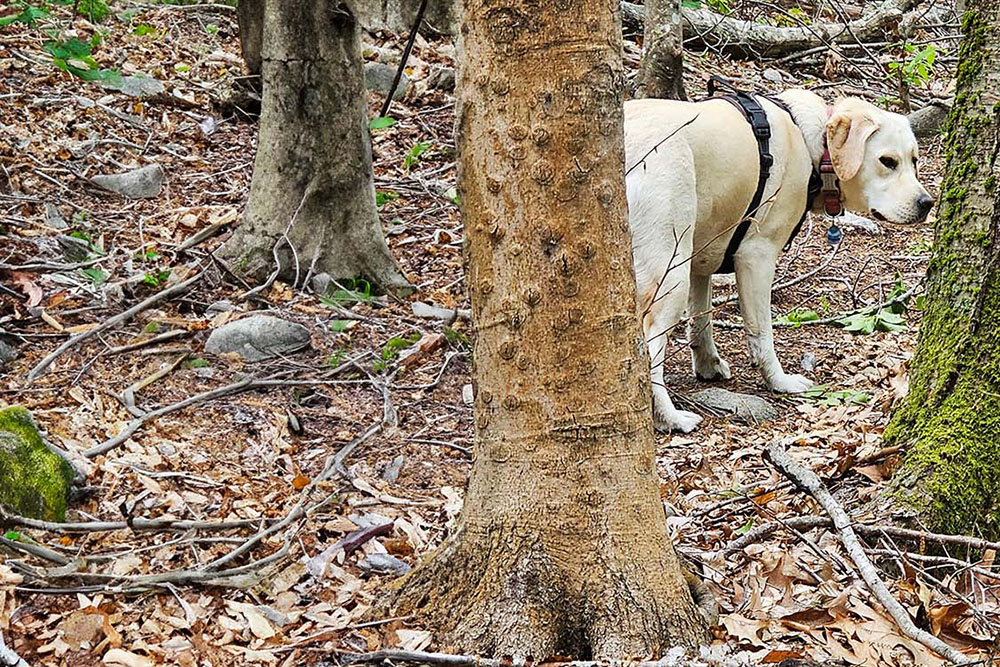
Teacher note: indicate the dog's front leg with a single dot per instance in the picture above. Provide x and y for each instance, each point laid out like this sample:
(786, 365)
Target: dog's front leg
(755, 264)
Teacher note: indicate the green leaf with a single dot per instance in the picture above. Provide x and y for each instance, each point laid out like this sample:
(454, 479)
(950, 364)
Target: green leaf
(28, 16)
(12, 535)
(381, 123)
(796, 317)
(338, 326)
(383, 197)
(197, 363)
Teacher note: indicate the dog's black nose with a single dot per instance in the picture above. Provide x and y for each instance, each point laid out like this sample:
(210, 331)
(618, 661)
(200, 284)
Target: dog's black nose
(924, 206)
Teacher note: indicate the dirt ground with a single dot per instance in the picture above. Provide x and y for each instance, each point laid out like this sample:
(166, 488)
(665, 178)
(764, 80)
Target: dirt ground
(136, 596)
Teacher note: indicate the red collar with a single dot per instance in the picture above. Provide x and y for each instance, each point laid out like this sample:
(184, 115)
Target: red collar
(831, 184)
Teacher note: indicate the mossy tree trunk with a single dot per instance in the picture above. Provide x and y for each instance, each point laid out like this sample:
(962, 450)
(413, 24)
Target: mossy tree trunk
(661, 73)
(951, 417)
(562, 546)
(312, 199)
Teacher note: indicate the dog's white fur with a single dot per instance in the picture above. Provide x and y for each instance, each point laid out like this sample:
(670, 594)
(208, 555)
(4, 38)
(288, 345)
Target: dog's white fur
(686, 196)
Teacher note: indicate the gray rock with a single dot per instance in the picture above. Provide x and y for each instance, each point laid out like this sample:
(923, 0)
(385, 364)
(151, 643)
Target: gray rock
(8, 350)
(442, 78)
(379, 76)
(73, 249)
(321, 283)
(220, 307)
(773, 75)
(143, 183)
(391, 472)
(745, 407)
(258, 337)
(53, 218)
(383, 564)
(136, 86)
(808, 362)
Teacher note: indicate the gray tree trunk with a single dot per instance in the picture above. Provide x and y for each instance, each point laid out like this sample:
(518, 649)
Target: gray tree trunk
(250, 16)
(662, 72)
(312, 199)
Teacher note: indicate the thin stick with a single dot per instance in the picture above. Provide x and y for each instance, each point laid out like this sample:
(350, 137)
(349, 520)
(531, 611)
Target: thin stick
(9, 657)
(113, 322)
(159, 338)
(808, 481)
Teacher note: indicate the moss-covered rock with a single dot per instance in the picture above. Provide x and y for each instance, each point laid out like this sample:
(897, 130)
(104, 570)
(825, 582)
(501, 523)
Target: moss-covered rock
(34, 480)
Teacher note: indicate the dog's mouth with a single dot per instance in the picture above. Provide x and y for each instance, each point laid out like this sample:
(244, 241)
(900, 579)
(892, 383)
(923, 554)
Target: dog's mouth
(878, 216)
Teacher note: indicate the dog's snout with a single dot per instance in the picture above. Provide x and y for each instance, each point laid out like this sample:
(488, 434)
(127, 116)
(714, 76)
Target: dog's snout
(924, 206)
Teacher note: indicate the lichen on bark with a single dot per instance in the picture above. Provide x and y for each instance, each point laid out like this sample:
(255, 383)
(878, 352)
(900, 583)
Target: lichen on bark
(34, 481)
(950, 420)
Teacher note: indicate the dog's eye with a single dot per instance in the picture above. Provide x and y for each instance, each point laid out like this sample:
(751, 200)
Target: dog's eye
(888, 162)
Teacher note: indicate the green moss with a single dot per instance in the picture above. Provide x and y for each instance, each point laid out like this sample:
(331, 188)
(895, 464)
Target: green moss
(34, 481)
(950, 420)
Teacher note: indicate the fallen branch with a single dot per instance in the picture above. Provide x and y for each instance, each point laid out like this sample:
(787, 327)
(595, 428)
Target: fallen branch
(8, 519)
(808, 481)
(8, 657)
(704, 27)
(113, 322)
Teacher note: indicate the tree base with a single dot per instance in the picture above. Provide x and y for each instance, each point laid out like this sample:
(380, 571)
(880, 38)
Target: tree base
(499, 593)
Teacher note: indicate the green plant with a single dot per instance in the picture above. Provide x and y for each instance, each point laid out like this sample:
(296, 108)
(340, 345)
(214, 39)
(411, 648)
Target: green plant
(12, 535)
(921, 247)
(392, 349)
(357, 290)
(197, 363)
(721, 6)
(339, 326)
(413, 156)
(153, 327)
(383, 197)
(212, 28)
(887, 319)
(337, 358)
(381, 123)
(156, 278)
(918, 68)
(457, 338)
(144, 29)
(29, 15)
(97, 276)
(824, 396)
(75, 57)
(95, 10)
(796, 317)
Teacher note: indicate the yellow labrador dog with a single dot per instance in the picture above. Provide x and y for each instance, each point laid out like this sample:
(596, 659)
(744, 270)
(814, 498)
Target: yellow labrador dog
(688, 194)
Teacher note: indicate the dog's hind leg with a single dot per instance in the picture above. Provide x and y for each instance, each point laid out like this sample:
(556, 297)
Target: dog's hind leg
(705, 359)
(754, 274)
(664, 316)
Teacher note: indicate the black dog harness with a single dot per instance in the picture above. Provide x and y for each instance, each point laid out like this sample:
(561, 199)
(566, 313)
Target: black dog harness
(757, 117)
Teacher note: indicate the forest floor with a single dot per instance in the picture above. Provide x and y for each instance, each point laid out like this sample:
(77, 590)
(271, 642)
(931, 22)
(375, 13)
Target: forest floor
(133, 596)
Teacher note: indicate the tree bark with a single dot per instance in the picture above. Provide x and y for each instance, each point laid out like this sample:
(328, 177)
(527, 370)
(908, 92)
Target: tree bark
(951, 418)
(250, 17)
(661, 74)
(312, 199)
(562, 546)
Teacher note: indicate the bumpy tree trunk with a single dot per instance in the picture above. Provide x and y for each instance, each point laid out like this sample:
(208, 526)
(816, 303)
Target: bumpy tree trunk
(250, 16)
(661, 74)
(561, 546)
(951, 418)
(312, 200)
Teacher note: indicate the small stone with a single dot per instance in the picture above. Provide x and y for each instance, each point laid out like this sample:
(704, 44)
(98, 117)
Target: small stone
(774, 76)
(73, 249)
(468, 396)
(220, 307)
(166, 449)
(143, 183)
(258, 337)
(8, 349)
(379, 77)
(745, 407)
(442, 78)
(808, 362)
(321, 283)
(391, 472)
(853, 221)
(384, 564)
(136, 86)
(53, 218)
(369, 519)
(34, 480)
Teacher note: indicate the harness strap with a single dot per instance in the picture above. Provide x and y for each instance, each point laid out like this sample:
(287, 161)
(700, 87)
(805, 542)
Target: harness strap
(757, 117)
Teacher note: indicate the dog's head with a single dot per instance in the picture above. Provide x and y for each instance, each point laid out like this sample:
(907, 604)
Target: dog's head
(875, 156)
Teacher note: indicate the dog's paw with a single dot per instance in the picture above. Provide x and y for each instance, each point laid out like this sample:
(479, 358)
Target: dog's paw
(678, 421)
(791, 384)
(711, 369)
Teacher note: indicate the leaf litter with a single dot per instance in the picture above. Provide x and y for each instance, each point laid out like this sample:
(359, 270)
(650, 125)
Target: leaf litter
(225, 471)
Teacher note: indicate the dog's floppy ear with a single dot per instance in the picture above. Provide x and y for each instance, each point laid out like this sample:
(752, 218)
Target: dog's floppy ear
(846, 134)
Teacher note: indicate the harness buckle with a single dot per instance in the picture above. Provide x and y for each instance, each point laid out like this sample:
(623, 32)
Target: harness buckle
(767, 160)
